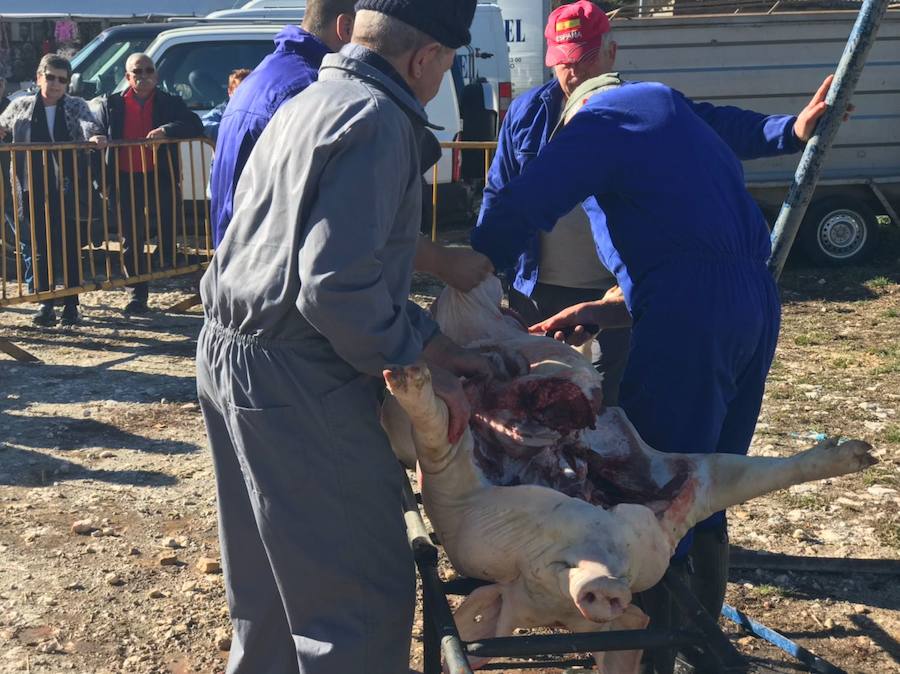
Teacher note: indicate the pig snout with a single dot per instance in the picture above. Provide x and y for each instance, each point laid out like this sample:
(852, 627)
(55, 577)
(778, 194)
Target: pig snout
(601, 599)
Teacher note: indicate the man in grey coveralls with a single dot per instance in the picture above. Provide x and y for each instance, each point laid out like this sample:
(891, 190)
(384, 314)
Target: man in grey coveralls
(306, 303)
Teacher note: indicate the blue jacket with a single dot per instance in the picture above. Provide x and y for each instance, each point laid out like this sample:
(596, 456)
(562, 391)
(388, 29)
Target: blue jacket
(212, 120)
(283, 74)
(527, 128)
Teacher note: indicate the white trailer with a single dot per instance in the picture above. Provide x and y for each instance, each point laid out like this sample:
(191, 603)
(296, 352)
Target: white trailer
(771, 63)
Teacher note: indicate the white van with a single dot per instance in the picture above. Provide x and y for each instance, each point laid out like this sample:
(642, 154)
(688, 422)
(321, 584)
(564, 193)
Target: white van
(485, 60)
(194, 62)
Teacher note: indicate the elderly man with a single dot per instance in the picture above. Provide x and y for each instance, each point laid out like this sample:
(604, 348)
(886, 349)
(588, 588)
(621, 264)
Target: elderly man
(306, 303)
(559, 268)
(144, 111)
(293, 66)
(660, 179)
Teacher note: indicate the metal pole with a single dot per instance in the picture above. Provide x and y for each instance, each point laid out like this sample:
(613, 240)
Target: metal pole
(814, 662)
(862, 37)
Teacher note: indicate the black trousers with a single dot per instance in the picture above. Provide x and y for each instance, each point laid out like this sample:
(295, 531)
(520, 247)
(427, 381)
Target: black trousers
(547, 300)
(55, 238)
(705, 572)
(145, 210)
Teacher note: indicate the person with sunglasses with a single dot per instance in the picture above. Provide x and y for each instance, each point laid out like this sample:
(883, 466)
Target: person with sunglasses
(145, 111)
(49, 116)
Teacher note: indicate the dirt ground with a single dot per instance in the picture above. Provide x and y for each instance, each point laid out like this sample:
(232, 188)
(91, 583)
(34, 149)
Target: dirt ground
(105, 437)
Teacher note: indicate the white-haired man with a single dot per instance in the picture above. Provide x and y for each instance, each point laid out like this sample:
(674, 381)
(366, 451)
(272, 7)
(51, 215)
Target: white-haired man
(306, 303)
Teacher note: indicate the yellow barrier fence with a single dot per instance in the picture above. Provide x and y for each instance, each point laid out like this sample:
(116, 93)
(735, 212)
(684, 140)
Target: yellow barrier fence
(76, 218)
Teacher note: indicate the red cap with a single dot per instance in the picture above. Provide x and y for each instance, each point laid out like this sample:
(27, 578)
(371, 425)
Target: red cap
(574, 31)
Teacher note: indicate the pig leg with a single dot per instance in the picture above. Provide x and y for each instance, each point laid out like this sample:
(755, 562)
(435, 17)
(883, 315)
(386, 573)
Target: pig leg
(727, 479)
(411, 386)
(396, 424)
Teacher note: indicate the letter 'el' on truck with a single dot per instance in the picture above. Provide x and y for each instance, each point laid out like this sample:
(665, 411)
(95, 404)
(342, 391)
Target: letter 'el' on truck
(771, 63)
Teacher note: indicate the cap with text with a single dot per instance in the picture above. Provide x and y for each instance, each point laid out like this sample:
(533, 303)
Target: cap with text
(574, 31)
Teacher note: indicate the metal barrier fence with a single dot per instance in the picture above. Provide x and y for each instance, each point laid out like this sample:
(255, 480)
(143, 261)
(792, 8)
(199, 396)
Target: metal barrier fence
(76, 218)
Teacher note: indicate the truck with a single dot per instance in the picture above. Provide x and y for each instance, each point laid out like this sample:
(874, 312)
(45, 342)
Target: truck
(194, 61)
(771, 63)
(485, 61)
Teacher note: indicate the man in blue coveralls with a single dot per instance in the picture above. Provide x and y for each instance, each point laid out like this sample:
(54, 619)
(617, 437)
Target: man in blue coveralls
(661, 181)
(291, 68)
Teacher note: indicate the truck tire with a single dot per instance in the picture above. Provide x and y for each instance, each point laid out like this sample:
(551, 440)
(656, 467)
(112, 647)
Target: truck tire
(838, 231)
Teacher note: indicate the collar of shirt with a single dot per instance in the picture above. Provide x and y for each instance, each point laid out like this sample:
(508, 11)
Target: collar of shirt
(129, 93)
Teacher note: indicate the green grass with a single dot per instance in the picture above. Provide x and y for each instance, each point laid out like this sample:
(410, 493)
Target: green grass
(892, 434)
(879, 282)
(769, 591)
(887, 531)
(806, 501)
(891, 313)
(840, 363)
(808, 340)
(876, 475)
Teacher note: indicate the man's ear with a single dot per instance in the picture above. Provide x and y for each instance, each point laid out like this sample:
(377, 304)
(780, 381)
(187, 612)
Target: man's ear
(345, 27)
(422, 57)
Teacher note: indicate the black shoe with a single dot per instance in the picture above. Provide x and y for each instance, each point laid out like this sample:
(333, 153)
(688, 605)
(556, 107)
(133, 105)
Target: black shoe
(45, 317)
(136, 307)
(70, 315)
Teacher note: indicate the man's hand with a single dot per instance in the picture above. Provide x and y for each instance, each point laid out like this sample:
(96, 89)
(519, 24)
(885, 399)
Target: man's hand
(444, 353)
(157, 133)
(806, 122)
(575, 317)
(448, 388)
(99, 141)
(608, 312)
(458, 267)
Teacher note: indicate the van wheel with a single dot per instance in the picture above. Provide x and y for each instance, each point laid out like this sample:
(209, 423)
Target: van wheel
(838, 231)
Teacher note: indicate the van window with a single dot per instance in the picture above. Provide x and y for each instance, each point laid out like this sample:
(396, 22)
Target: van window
(101, 72)
(198, 72)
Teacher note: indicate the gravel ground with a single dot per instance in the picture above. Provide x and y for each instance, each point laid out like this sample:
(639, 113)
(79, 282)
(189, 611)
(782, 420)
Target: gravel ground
(108, 551)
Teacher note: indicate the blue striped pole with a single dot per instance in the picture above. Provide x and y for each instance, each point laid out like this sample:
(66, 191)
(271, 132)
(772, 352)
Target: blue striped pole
(862, 37)
(814, 662)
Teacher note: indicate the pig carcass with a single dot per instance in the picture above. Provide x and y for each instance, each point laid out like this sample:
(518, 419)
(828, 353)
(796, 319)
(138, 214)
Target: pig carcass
(555, 498)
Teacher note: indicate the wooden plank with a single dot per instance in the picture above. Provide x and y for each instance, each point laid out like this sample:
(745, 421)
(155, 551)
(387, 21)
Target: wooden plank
(20, 355)
(184, 305)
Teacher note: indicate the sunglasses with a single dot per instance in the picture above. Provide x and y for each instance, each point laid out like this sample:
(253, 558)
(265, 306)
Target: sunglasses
(56, 78)
(143, 71)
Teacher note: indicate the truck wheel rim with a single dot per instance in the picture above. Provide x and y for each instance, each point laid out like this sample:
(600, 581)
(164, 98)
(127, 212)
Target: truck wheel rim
(842, 234)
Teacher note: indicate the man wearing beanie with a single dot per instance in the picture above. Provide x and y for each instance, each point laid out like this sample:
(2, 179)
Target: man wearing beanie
(660, 179)
(293, 66)
(318, 572)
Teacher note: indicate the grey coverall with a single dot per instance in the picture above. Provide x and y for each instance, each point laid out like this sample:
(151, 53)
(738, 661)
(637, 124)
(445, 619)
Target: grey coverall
(306, 301)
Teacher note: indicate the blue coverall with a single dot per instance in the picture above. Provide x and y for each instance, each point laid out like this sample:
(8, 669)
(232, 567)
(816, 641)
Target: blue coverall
(283, 74)
(672, 220)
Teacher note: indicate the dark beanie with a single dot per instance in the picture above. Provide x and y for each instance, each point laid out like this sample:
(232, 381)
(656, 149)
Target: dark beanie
(447, 21)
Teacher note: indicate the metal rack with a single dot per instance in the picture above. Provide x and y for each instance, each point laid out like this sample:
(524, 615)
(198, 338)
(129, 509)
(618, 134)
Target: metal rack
(701, 635)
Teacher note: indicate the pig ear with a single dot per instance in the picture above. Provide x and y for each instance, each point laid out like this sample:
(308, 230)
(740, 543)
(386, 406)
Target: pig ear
(478, 616)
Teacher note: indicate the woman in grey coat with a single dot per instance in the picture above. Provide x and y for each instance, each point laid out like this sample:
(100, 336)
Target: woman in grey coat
(49, 116)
